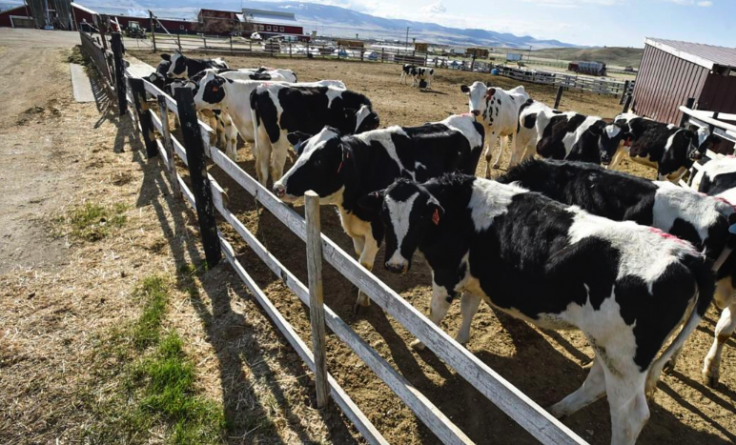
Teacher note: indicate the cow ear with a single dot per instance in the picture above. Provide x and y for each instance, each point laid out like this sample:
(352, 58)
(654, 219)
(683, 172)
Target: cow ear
(465, 89)
(295, 137)
(372, 201)
(166, 57)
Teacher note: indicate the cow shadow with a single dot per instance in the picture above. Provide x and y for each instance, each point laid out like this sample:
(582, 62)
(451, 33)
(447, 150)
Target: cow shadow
(233, 337)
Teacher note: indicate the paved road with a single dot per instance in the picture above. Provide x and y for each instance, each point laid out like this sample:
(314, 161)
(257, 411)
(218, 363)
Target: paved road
(34, 38)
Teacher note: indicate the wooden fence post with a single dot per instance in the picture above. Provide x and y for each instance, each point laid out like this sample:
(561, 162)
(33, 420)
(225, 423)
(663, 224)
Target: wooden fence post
(163, 109)
(144, 117)
(689, 103)
(627, 103)
(231, 44)
(559, 97)
(316, 301)
(626, 91)
(198, 175)
(178, 41)
(117, 50)
(204, 39)
(153, 30)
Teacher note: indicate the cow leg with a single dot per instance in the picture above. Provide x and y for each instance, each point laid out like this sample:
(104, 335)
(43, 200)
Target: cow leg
(628, 405)
(594, 387)
(492, 140)
(358, 245)
(503, 142)
(262, 153)
(367, 259)
(725, 327)
(231, 134)
(278, 157)
(437, 310)
(468, 307)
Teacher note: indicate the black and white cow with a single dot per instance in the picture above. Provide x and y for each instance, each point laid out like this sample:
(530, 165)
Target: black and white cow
(262, 74)
(498, 111)
(221, 93)
(279, 109)
(342, 169)
(626, 287)
(421, 74)
(668, 148)
(406, 71)
(183, 67)
(160, 77)
(575, 137)
(717, 178)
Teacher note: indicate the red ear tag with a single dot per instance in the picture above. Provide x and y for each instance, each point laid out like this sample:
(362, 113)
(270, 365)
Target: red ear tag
(436, 217)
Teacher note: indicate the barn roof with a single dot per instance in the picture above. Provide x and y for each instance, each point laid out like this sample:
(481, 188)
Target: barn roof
(270, 17)
(706, 56)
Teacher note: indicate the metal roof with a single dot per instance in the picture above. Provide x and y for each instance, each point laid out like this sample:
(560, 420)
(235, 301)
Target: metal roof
(706, 56)
(270, 17)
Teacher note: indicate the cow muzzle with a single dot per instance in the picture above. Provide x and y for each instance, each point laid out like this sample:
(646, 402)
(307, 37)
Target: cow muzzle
(397, 268)
(279, 190)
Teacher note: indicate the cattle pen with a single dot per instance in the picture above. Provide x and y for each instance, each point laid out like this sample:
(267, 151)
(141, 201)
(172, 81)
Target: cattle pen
(206, 197)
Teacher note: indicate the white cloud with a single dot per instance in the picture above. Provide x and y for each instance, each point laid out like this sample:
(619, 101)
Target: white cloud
(435, 8)
(574, 3)
(702, 4)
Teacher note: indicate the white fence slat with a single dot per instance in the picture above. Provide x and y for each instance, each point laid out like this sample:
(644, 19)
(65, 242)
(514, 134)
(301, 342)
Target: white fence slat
(427, 412)
(361, 422)
(507, 397)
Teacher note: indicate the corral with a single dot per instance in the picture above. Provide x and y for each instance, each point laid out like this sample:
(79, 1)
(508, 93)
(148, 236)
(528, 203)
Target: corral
(544, 365)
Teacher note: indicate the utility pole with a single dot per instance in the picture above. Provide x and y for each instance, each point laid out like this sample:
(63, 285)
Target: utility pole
(406, 47)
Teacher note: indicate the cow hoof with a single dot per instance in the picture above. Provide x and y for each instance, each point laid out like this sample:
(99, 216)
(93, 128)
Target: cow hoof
(417, 345)
(669, 367)
(711, 381)
(559, 415)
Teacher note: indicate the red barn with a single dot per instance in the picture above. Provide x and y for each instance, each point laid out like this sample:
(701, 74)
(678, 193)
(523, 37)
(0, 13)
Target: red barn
(273, 23)
(18, 17)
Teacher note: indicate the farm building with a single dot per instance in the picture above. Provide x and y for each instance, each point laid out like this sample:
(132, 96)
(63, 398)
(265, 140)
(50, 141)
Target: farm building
(173, 26)
(18, 17)
(673, 71)
(272, 23)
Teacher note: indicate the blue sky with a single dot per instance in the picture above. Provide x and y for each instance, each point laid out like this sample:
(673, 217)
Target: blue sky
(583, 22)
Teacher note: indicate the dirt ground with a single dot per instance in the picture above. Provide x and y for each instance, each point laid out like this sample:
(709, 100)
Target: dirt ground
(545, 365)
(58, 304)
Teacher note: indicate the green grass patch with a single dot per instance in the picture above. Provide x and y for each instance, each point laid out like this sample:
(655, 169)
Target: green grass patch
(91, 221)
(153, 383)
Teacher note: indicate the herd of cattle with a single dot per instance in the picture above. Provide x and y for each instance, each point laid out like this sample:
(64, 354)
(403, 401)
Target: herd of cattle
(563, 242)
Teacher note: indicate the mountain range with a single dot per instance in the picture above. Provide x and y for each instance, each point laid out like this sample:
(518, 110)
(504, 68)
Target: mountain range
(328, 20)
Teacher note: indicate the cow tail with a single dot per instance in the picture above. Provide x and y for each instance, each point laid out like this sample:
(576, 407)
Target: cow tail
(703, 296)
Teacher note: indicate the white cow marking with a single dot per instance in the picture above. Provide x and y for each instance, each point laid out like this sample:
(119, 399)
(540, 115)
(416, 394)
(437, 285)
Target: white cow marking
(400, 212)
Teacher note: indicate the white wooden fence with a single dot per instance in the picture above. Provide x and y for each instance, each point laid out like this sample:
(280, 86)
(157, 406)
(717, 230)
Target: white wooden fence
(508, 398)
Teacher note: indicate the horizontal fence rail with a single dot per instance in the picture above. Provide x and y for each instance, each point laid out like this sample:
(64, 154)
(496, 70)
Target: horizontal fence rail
(508, 398)
(712, 120)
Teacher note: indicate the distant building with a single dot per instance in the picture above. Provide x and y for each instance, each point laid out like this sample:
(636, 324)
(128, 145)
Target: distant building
(173, 26)
(273, 23)
(673, 71)
(18, 17)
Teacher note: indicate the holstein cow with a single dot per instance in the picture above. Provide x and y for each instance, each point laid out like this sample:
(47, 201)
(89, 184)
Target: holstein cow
(216, 92)
(574, 137)
(717, 178)
(498, 110)
(668, 148)
(262, 73)
(700, 219)
(183, 67)
(342, 169)
(406, 71)
(280, 109)
(626, 287)
(421, 74)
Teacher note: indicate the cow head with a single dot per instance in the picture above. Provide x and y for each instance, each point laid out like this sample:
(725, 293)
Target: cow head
(478, 96)
(178, 68)
(407, 211)
(319, 167)
(209, 92)
(366, 120)
(611, 138)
